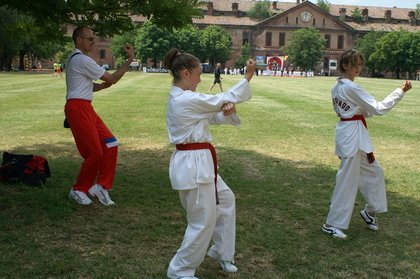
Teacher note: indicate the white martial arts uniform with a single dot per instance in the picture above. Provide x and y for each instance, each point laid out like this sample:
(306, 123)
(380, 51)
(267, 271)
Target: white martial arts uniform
(352, 145)
(189, 115)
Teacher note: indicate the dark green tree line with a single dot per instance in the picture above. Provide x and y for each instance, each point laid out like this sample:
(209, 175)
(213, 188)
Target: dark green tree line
(396, 52)
(20, 36)
(108, 17)
(366, 46)
(35, 28)
(152, 42)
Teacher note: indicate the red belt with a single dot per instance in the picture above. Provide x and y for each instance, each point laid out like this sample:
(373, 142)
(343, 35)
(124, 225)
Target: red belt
(203, 145)
(371, 157)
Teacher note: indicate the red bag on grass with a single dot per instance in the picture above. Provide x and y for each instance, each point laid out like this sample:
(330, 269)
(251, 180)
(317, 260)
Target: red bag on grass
(29, 169)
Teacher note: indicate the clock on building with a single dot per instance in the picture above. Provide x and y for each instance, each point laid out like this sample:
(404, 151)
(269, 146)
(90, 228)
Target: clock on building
(305, 16)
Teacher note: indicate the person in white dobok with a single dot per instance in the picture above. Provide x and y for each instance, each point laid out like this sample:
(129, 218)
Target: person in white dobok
(359, 170)
(207, 200)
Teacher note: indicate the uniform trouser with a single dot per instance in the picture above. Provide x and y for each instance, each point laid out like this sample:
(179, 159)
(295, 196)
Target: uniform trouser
(206, 221)
(96, 144)
(355, 173)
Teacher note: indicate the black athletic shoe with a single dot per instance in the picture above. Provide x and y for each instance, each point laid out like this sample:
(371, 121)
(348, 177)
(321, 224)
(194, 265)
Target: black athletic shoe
(371, 221)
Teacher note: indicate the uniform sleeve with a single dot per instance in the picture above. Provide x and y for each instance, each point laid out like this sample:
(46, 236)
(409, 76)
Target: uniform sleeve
(92, 70)
(209, 105)
(220, 118)
(368, 102)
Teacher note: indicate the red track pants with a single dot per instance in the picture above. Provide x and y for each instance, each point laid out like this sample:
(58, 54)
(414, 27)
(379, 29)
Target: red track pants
(96, 144)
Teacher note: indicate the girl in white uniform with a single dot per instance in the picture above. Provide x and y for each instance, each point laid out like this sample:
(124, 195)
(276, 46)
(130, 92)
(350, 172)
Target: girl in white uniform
(358, 169)
(208, 201)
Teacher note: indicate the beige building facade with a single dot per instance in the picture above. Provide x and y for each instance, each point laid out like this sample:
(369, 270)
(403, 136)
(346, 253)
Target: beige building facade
(268, 38)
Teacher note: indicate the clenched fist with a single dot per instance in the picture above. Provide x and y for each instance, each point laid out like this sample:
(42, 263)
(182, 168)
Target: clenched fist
(228, 108)
(406, 86)
(250, 69)
(129, 49)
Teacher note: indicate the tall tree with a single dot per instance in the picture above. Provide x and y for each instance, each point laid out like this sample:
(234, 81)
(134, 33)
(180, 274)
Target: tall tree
(108, 17)
(118, 41)
(397, 52)
(153, 42)
(414, 53)
(305, 48)
(411, 41)
(261, 10)
(366, 45)
(245, 55)
(33, 43)
(188, 40)
(64, 52)
(9, 42)
(324, 5)
(21, 37)
(216, 43)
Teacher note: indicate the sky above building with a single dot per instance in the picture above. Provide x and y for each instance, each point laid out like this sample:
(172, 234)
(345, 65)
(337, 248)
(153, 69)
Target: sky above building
(410, 4)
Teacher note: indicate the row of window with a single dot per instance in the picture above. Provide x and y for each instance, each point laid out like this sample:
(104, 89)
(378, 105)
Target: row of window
(313, 20)
(282, 39)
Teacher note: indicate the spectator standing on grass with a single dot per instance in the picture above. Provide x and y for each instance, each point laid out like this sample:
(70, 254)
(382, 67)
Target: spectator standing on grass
(217, 77)
(57, 69)
(359, 170)
(208, 201)
(94, 141)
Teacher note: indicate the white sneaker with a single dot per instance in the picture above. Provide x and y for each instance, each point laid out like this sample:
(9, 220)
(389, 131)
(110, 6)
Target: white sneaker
(228, 266)
(187, 277)
(335, 232)
(80, 197)
(102, 194)
(370, 220)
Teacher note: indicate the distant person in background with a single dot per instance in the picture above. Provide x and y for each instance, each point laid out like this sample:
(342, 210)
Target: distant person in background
(57, 69)
(359, 170)
(94, 141)
(217, 77)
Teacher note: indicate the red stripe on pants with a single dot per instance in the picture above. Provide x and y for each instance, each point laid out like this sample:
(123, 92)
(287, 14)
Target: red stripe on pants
(89, 132)
(203, 145)
(371, 157)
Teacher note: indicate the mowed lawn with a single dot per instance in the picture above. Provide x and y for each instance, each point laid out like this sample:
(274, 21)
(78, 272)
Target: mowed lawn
(280, 164)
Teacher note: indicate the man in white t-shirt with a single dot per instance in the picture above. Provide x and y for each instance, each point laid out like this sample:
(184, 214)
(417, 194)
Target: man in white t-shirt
(95, 142)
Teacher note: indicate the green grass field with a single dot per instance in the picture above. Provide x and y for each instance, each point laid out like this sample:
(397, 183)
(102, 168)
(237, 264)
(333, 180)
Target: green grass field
(280, 164)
